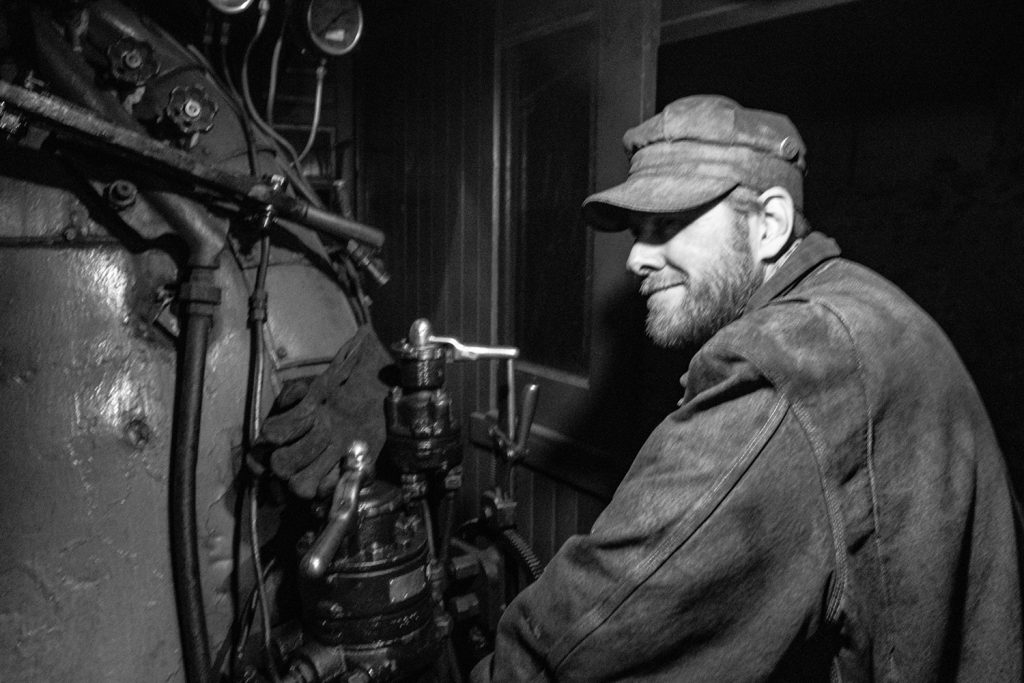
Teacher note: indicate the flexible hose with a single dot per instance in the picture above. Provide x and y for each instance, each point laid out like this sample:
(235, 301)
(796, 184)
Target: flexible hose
(257, 319)
(275, 61)
(260, 587)
(188, 590)
(250, 107)
(321, 72)
(260, 25)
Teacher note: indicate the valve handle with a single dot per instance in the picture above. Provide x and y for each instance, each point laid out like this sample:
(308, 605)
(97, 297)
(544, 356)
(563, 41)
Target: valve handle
(344, 505)
(462, 351)
(527, 410)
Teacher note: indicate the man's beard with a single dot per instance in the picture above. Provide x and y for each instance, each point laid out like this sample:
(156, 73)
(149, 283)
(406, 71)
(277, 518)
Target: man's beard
(711, 302)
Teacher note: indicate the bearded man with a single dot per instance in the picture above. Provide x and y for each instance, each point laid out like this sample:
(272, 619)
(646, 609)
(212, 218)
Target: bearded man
(828, 502)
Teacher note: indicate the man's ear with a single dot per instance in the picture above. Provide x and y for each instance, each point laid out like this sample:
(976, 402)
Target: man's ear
(775, 225)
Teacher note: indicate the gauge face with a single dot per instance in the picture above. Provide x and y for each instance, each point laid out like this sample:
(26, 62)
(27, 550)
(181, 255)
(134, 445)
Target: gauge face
(334, 25)
(231, 6)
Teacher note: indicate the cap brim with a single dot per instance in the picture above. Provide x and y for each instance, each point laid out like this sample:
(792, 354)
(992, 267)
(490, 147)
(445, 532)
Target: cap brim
(607, 209)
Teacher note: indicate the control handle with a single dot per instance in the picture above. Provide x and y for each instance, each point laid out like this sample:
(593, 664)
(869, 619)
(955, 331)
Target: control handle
(527, 410)
(358, 469)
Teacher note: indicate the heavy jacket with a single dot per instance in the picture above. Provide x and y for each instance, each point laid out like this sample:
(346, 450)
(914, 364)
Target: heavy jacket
(828, 499)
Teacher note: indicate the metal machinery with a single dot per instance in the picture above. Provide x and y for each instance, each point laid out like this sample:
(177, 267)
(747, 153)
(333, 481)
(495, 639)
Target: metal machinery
(382, 592)
(164, 270)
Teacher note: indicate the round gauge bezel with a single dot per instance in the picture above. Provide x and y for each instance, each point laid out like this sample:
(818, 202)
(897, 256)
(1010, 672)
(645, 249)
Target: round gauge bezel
(231, 6)
(328, 47)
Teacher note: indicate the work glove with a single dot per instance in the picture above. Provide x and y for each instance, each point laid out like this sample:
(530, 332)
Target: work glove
(313, 422)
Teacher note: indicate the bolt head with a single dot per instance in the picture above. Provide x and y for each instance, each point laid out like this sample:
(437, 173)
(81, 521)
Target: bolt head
(132, 59)
(192, 109)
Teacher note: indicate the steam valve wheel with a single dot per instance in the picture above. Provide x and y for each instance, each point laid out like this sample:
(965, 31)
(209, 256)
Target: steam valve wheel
(190, 110)
(132, 61)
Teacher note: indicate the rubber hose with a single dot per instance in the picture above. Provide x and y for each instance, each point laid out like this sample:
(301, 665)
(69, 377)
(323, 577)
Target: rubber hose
(188, 591)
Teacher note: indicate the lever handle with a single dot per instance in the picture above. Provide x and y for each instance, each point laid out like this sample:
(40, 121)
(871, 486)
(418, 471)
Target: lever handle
(358, 469)
(528, 408)
(346, 498)
(462, 351)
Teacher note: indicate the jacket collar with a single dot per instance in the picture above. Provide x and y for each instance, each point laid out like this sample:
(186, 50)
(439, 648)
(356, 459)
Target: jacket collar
(814, 250)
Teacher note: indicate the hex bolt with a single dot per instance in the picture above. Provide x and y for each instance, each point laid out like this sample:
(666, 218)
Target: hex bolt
(464, 606)
(462, 567)
(121, 194)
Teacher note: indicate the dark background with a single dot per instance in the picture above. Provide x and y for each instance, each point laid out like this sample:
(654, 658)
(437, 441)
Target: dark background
(912, 113)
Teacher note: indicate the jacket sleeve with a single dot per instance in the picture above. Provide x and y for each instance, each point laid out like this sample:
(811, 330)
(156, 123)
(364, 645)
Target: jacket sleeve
(711, 562)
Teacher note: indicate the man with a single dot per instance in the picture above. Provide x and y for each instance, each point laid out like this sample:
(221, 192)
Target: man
(827, 503)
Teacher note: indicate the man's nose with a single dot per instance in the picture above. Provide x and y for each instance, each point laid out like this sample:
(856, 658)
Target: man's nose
(645, 259)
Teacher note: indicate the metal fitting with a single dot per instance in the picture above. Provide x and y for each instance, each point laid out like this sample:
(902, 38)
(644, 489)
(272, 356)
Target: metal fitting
(132, 62)
(121, 194)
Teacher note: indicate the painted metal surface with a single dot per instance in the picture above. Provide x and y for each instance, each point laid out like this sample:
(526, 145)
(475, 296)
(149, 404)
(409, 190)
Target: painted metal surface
(87, 383)
(87, 386)
(86, 395)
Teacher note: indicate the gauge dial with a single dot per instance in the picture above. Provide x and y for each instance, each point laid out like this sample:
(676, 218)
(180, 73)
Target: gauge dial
(231, 6)
(334, 26)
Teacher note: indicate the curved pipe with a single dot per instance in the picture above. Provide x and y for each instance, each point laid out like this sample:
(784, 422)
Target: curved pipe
(72, 78)
(188, 590)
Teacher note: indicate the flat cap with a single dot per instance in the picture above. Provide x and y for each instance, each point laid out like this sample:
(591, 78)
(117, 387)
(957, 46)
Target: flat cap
(696, 150)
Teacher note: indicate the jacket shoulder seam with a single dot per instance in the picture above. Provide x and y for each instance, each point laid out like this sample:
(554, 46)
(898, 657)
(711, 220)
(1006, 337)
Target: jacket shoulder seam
(683, 530)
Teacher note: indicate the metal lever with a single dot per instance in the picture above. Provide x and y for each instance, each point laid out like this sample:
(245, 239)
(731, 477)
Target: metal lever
(513, 449)
(527, 409)
(462, 351)
(358, 470)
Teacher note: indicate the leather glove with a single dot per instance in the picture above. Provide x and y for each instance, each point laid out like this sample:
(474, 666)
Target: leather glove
(312, 423)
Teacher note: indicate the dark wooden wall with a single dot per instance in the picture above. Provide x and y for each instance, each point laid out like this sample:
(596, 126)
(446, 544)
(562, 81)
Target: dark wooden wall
(424, 93)
(911, 113)
(427, 92)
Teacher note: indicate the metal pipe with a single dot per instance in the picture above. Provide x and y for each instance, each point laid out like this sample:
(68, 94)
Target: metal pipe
(71, 77)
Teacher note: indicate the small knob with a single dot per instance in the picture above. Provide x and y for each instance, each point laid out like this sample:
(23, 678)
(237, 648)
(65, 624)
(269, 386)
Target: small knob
(420, 332)
(359, 460)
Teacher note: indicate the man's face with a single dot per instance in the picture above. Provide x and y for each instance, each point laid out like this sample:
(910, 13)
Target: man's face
(697, 272)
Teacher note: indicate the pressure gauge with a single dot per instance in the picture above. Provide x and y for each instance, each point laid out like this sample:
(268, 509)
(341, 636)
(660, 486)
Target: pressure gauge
(231, 6)
(334, 26)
